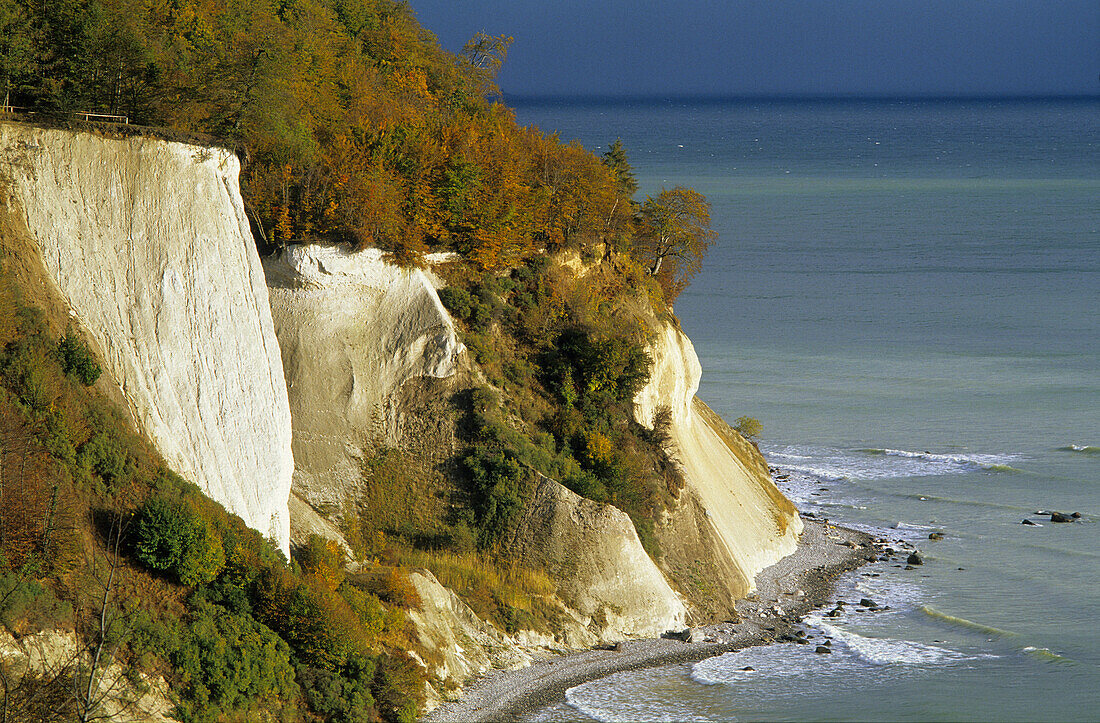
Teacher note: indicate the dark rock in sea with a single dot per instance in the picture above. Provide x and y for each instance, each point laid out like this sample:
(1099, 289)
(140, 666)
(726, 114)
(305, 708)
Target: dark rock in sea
(822, 649)
(834, 613)
(935, 535)
(868, 603)
(808, 514)
(909, 567)
(749, 668)
(1076, 515)
(915, 559)
(1060, 517)
(1029, 522)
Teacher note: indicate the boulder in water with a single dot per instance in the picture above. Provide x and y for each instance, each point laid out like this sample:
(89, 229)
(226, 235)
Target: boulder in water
(1028, 522)
(1061, 517)
(935, 535)
(915, 559)
(822, 649)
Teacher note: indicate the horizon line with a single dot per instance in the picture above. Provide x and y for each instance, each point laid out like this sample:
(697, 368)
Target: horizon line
(726, 97)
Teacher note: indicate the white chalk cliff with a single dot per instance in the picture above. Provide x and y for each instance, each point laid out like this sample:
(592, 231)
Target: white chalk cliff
(353, 330)
(754, 524)
(594, 553)
(148, 243)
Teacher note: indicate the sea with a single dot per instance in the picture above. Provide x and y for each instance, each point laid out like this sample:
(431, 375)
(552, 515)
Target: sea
(906, 294)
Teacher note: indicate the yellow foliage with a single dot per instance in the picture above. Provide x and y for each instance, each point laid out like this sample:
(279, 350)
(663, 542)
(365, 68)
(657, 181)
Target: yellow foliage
(598, 448)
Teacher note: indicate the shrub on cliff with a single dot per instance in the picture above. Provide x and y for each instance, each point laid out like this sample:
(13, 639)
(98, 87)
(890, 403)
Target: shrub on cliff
(230, 662)
(77, 360)
(171, 537)
(748, 427)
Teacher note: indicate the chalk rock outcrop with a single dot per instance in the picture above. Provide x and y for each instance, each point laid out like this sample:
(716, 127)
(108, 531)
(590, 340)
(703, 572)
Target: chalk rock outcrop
(466, 645)
(740, 522)
(353, 330)
(50, 661)
(593, 552)
(148, 243)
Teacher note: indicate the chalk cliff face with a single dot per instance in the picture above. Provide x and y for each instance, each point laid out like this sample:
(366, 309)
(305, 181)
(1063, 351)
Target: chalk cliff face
(148, 243)
(353, 330)
(465, 644)
(593, 550)
(737, 519)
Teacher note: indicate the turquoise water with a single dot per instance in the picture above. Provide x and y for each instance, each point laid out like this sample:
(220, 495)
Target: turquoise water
(907, 295)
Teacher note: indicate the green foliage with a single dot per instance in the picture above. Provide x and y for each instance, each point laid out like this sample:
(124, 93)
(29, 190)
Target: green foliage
(674, 235)
(457, 301)
(77, 359)
(616, 160)
(588, 371)
(230, 662)
(105, 455)
(27, 605)
(344, 696)
(748, 427)
(171, 537)
(496, 480)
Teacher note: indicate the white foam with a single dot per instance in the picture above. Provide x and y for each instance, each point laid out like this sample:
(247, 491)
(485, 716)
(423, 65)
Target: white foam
(887, 651)
(770, 663)
(629, 696)
(830, 464)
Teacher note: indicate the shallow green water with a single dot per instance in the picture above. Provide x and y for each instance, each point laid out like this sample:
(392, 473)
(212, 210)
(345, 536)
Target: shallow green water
(907, 295)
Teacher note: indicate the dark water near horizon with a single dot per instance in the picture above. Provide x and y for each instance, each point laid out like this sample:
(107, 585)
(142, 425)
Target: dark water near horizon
(907, 295)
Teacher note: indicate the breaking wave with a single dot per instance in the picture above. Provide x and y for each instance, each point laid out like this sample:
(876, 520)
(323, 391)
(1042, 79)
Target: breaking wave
(963, 622)
(1081, 449)
(883, 463)
(888, 651)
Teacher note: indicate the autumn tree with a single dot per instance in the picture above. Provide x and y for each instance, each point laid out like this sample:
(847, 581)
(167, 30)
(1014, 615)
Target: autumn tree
(484, 55)
(674, 235)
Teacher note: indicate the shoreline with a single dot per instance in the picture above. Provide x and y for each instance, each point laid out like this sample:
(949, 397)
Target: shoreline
(825, 551)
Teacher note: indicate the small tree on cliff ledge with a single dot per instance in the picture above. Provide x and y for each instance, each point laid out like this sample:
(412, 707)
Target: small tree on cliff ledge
(674, 235)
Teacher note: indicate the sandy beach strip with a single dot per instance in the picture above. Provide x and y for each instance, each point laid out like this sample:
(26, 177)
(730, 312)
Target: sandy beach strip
(824, 552)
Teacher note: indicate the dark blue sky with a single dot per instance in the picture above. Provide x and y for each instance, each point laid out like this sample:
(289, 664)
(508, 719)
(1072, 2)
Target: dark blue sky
(784, 47)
